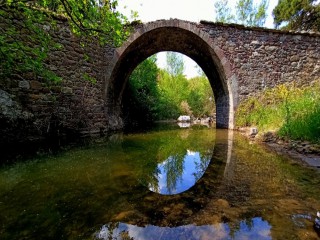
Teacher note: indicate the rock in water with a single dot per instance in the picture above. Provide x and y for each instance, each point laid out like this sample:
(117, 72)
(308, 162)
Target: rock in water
(317, 223)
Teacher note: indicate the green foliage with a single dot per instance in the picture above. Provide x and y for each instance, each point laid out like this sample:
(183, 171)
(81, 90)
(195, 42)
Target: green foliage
(25, 40)
(142, 96)
(90, 79)
(180, 96)
(185, 96)
(247, 13)
(155, 94)
(200, 97)
(251, 15)
(297, 14)
(16, 56)
(170, 97)
(175, 64)
(293, 111)
(223, 12)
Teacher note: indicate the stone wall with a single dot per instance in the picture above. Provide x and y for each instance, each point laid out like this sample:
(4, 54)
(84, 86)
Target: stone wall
(262, 58)
(33, 108)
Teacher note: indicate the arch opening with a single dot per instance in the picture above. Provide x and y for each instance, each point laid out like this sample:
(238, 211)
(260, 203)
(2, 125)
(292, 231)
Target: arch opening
(175, 39)
(164, 87)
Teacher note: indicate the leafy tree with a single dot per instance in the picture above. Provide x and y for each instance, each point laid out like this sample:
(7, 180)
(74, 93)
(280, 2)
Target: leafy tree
(297, 14)
(86, 18)
(250, 14)
(175, 64)
(200, 97)
(156, 94)
(141, 96)
(169, 101)
(247, 13)
(185, 108)
(223, 12)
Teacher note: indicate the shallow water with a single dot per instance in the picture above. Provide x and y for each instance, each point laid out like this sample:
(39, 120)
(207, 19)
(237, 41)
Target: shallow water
(194, 183)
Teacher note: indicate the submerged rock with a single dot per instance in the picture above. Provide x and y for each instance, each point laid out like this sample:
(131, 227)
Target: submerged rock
(269, 136)
(253, 131)
(317, 223)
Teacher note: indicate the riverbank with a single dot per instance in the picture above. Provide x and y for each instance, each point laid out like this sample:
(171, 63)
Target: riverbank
(305, 152)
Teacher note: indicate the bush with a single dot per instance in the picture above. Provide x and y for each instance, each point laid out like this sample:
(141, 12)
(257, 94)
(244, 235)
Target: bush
(294, 112)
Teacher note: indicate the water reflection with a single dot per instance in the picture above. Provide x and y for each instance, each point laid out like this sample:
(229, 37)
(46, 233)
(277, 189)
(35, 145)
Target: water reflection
(240, 191)
(255, 228)
(177, 161)
(184, 124)
(177, 174)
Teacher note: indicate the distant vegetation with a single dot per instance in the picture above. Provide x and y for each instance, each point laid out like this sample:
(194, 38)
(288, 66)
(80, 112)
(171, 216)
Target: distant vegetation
(162, 94)
(298, 15)
(246, 12)
(292, 111)
(288, 14)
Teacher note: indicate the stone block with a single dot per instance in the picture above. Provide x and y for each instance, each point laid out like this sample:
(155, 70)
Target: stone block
(56, 89)
(66, 90)
(35, 97)
(253, 131)
(294, 58)
(24, 84)
(35, 85)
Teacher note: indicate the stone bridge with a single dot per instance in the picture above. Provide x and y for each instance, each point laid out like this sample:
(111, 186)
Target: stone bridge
(237, 60)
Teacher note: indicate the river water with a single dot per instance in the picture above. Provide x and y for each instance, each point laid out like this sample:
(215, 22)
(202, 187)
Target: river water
(167, 183)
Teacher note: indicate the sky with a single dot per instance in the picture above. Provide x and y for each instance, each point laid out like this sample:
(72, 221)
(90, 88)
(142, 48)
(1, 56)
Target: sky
(190, 10)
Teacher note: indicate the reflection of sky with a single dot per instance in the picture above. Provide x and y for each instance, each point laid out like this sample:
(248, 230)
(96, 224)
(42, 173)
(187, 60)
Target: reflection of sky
(257, 228)
(186, 180)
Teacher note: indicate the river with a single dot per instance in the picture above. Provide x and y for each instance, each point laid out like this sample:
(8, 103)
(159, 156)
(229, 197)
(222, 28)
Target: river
(166, 183)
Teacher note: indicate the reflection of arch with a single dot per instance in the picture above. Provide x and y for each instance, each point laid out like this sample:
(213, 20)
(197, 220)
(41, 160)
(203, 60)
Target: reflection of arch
(179, 36)
(164, 207)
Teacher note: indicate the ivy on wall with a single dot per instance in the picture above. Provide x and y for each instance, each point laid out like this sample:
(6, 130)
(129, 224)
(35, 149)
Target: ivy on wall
(25, 39)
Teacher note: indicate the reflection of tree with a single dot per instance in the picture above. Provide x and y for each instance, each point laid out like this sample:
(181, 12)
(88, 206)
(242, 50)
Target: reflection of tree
(150, 173)
(201, 166)
(246, 225)
(111, 231)
(153, 182)
(170, 146)
(106, 231)
(173, 167)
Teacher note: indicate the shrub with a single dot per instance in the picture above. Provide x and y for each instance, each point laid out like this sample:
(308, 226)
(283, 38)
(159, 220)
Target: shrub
(293, 111)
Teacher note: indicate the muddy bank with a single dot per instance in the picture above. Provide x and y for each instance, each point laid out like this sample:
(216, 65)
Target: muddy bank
(305, 152)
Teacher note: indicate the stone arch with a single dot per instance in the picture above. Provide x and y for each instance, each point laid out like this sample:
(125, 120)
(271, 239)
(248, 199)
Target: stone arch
(179, 36)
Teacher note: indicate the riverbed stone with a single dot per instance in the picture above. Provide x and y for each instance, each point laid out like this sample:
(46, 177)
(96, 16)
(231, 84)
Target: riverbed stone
(222, 203)
(253, 131)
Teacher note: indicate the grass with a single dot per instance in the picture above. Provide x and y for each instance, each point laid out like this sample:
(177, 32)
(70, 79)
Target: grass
(292, 111)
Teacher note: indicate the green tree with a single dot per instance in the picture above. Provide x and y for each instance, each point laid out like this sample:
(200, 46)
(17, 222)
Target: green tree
(141, 97)
(297, 14)
(157, 94)
(247, 12)
(169, 101)
(223, 12)
(175, 64)
(250, 14)
(87, 18)
(185, 108)
(200, 97)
